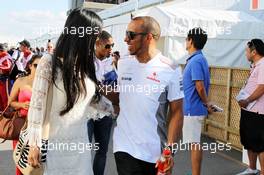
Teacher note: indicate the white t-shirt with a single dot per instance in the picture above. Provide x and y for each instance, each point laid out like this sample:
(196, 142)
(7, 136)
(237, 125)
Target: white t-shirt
(145, 90)
(102, 67)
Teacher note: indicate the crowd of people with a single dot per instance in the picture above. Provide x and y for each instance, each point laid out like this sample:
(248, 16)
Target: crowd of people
(83, 72)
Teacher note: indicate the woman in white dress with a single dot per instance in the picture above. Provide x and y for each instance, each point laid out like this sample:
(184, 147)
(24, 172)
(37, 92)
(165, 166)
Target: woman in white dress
(71, 74)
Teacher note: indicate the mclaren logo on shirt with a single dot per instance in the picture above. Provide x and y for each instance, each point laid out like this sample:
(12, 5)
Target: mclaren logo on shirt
(153, 77)
(126, 78)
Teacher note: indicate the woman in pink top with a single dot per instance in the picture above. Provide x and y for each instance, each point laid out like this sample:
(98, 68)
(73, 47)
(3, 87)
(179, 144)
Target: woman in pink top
(21, 92)
(252, 108)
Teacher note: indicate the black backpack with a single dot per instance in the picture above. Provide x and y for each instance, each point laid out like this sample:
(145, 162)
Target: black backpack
(15, 71)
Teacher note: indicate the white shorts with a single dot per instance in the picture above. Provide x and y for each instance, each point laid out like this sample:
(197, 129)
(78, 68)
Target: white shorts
(192, 129)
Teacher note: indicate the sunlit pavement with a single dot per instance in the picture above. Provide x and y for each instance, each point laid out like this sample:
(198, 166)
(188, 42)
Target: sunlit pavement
(220, 163)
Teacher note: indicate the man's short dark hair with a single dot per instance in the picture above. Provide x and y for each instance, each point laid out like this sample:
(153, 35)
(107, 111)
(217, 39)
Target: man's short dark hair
(117, 53)
(258, 45)
(104, 36)
(198, 36)
(2, 48)
(149, 25)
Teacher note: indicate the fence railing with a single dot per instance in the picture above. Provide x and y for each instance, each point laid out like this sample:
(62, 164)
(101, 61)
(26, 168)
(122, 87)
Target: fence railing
(225, 85)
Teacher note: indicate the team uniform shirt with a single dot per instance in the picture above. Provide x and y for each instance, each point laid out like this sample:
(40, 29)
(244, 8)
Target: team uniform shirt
(195, 69)
(22, 60)
(256, 78)
(102, 67)
(5, 63)
(144, 93)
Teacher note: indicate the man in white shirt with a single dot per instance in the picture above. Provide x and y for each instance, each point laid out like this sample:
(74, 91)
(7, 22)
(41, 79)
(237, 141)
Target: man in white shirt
(150, 99)
(101, 128)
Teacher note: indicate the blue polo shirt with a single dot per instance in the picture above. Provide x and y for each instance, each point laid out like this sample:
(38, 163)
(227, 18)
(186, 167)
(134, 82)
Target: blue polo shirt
(195, 69)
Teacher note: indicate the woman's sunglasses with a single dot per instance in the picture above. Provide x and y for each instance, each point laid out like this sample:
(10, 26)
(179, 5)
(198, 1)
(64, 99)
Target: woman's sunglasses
(131, 35)
(108, 46)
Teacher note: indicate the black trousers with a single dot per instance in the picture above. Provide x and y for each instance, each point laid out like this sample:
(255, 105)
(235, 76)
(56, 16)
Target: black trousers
(101, 129)
(252, 131)
(128, 165)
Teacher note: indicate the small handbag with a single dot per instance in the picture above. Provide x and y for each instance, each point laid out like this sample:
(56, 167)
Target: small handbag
(20, 154)
(10, 124)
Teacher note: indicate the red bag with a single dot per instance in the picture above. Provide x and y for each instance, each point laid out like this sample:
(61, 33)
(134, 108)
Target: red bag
(10, 124)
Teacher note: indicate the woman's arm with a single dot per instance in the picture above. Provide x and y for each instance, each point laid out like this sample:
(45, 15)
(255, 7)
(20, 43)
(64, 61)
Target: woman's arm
(37, 109)
(38, 102)
(13, 99)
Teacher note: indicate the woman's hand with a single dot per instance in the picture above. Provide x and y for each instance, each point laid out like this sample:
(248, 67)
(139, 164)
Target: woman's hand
(25, 105)
(34, 156)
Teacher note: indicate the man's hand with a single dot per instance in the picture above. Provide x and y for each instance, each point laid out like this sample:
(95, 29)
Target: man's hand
(169, 165)
(168, 170)
(243, 103)
(209, 107)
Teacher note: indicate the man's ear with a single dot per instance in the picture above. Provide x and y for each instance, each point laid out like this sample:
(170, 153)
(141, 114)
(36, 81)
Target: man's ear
(254, 52)
(150, 36)
(97, 43)
(191, 41)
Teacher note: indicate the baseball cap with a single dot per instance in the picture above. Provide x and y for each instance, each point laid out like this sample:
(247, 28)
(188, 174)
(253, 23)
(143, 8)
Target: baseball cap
(3, 47)
(25, 43)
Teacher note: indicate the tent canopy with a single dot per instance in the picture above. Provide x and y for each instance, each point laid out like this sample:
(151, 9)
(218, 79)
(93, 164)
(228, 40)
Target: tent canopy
(220, 24)
(228, 32)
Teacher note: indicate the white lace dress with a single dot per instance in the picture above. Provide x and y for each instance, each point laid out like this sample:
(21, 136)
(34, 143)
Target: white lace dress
(69, 151)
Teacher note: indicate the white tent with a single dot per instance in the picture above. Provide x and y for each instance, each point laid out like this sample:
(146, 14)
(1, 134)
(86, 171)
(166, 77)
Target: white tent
(228, 32)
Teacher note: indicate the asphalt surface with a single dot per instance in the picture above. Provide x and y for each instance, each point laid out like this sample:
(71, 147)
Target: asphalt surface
(219, 163)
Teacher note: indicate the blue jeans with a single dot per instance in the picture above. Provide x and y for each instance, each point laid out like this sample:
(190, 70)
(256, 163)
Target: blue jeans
(101, 129)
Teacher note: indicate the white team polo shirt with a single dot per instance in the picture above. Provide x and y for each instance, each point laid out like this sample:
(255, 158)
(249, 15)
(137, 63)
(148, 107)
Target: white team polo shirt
(145, 91)
(102, 67)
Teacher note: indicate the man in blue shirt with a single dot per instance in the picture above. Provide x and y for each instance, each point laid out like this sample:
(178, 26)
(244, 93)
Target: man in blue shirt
(196, 81)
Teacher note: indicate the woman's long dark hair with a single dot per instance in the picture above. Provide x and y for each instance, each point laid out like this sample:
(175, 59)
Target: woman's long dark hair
(74, 54)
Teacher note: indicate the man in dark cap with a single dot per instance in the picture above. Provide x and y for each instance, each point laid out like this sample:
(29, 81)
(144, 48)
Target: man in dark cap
(23, 56)
(25, 43)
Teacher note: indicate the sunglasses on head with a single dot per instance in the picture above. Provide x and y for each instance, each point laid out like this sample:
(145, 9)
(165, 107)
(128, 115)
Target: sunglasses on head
(108, 46)
(35, 65)
(131, 35)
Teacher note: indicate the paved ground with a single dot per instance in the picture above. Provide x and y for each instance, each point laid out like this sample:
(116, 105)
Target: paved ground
(220, 163)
